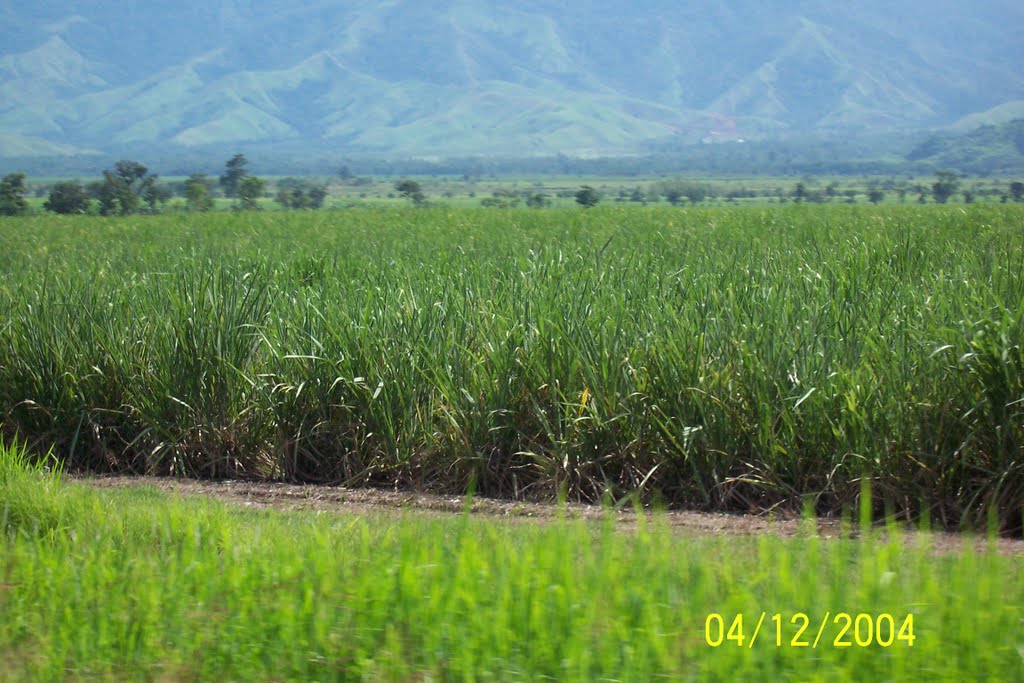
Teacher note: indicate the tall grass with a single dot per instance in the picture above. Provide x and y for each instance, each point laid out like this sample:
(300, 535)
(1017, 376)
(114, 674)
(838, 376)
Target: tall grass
(139, 585)
(727, 359)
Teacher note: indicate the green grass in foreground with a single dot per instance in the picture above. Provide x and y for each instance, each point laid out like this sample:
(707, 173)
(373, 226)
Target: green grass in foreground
(138, 585)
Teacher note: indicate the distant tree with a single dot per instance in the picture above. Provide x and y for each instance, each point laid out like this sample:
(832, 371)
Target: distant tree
(945, 186)
(197, 193)
(124, 186)
(130, 171)
(799, 193)
(674, 195)
(587, 197)
(537, 200)
(696, 193)
(153, 193)
(234, 173)
(67, 198)
(968, 197)
(407, 187)
(12, 195)
(410, 189)
(638, 196)
(501, 199)
(875, 194)
(106, 194)
(345, 173)
(284, 197)
(1017, 190)
(294, 196)
(674, 191)
(248, 193)
(316, 196)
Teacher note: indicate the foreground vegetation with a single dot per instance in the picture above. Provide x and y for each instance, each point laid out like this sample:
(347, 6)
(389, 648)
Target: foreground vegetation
(138, 585)
(724, 359)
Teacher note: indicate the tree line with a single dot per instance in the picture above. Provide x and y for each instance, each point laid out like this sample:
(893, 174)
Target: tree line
(130, 188)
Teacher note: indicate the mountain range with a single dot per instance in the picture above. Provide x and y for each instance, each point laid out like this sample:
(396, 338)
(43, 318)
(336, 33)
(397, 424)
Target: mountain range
(481, 77)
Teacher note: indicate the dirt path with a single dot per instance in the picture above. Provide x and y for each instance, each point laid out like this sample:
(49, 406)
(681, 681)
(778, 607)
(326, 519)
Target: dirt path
(268, 495)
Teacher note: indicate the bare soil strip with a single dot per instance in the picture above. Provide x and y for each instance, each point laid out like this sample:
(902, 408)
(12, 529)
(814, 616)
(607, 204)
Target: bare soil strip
(278, 496)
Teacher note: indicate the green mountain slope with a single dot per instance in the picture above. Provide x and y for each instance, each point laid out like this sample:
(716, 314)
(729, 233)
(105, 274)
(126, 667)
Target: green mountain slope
(480, 77)
(988, 149)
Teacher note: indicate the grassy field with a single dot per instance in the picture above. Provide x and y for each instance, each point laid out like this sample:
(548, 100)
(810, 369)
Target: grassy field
(138, 585)
(729, 359)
